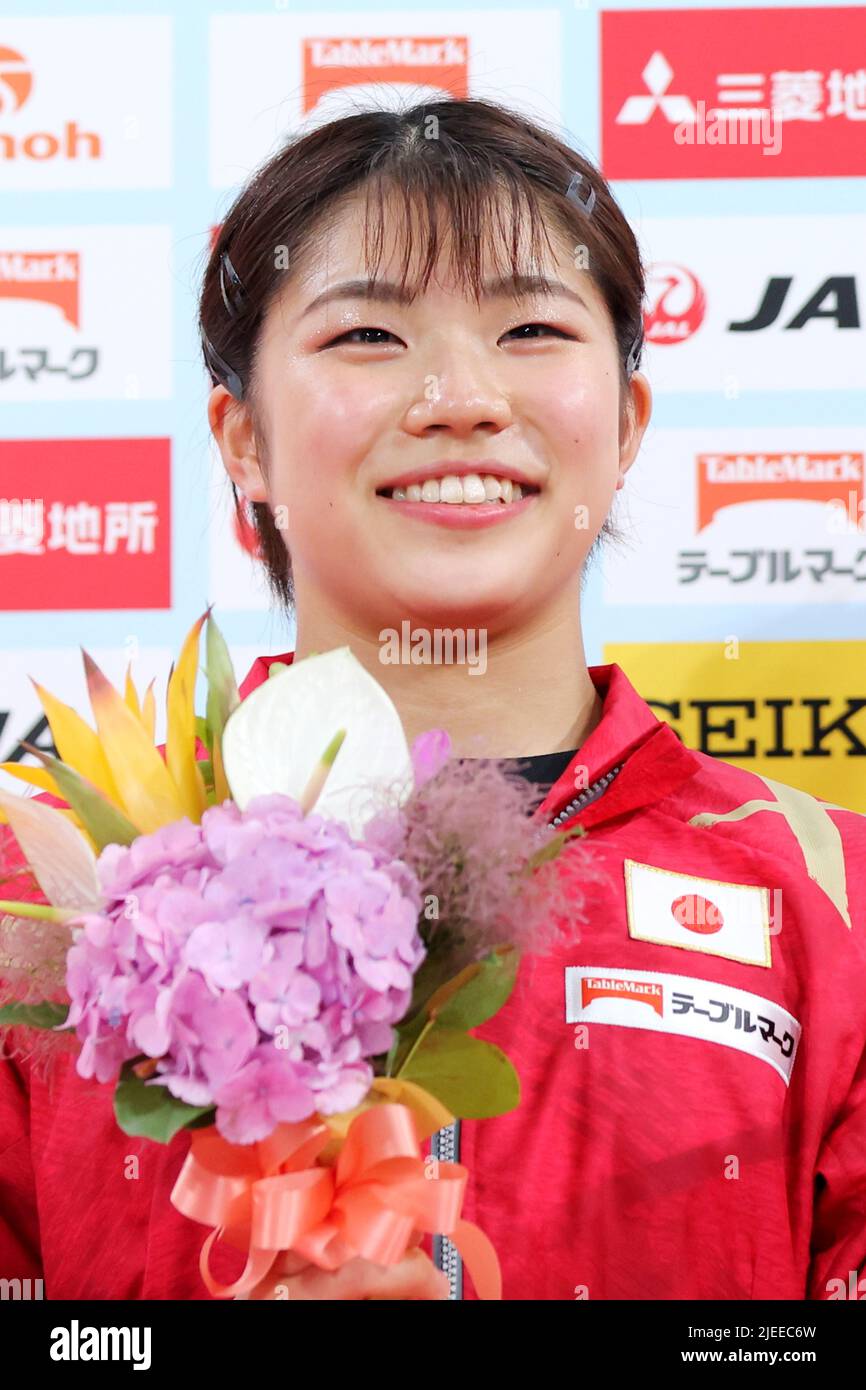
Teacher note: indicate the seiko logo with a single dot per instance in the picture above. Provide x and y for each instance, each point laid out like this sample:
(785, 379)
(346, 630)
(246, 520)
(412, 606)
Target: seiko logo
(725, 723)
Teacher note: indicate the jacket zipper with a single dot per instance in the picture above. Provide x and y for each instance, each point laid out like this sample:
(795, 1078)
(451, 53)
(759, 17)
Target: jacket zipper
(445, 1143)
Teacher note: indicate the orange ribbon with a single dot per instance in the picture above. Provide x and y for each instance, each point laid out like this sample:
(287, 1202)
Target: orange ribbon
(273, 1196)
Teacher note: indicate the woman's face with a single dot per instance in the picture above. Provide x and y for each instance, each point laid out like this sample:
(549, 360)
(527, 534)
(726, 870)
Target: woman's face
(358, 395)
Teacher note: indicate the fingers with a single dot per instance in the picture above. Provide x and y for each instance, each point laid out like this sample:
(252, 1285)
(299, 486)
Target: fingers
(413, 1278)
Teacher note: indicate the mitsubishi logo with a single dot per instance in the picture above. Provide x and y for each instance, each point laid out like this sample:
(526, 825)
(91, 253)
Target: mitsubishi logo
(657, 74)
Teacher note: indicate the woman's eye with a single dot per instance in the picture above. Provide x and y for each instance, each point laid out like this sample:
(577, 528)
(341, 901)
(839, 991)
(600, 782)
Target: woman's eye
(366, 336)
(527, 331)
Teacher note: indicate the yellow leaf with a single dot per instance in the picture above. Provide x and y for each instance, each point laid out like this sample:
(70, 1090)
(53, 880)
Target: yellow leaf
(147, 792)
(77, 744)
(148, 712)
(222, 790)
(180, 736)
(37, 776)
(130, 694)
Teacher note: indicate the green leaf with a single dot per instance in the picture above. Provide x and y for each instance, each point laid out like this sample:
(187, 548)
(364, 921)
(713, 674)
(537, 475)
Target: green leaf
(406, 1034)
(105, 823)
(152, 1112)
(467, 1000)
(223, 695)
(204, 733)
(553, 848)
(44, 1015)
(477, 993)
(205, 767)
(474, 1079)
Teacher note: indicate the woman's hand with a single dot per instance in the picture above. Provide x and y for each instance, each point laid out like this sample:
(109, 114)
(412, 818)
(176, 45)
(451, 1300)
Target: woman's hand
(412, 1278)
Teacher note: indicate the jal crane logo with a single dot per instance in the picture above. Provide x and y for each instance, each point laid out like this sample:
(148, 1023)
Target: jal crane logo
(677, 304)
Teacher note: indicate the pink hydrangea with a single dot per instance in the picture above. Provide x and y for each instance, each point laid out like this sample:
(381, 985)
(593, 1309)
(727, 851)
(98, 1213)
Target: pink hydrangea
(263, 957)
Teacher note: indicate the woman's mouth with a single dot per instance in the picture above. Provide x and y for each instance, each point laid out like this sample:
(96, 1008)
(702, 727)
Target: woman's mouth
(468, 501)
(470, 490)
(464, 501)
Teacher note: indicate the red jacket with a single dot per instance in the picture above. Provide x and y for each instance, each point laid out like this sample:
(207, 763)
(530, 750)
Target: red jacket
(693, 1068)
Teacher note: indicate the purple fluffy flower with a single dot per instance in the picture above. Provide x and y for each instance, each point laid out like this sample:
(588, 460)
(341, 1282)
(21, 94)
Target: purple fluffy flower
(430, 752)
(262, 957)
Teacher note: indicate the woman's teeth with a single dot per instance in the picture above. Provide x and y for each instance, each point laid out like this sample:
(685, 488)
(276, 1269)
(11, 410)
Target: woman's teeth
(473, 488)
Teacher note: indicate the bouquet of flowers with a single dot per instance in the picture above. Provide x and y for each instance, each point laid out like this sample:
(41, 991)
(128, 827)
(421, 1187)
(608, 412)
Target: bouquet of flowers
(278, 931)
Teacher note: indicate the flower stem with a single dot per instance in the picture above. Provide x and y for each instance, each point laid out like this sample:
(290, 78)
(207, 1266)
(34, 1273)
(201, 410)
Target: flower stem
(313, 790)
(38, 910)
(416, 1044)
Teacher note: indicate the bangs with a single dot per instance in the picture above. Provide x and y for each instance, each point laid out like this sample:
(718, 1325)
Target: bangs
(479, 224)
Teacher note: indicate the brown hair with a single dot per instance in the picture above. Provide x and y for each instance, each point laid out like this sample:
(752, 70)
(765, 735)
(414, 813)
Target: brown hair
(488, 169)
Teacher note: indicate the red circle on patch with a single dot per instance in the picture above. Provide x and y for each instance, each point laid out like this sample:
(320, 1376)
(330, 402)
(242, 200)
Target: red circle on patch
(697, 914)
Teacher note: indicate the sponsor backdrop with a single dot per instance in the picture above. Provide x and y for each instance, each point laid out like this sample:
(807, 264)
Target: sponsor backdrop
(735, 138)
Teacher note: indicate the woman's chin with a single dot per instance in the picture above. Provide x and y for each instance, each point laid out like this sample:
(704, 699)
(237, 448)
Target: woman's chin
(458, 605)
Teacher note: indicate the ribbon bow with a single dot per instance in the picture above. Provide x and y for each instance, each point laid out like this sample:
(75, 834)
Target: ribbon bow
(273, 1196)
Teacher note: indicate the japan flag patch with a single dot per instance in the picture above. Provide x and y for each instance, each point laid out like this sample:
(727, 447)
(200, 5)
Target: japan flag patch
(698, 914)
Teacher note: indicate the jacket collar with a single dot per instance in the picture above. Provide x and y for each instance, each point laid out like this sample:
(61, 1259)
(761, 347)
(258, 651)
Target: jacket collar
(653, 759)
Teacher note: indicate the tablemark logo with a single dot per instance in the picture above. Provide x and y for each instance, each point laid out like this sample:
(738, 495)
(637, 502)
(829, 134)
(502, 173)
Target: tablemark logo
(642, 991)
(46, 277)
(16, 88)
(834, 479)
(439, 62)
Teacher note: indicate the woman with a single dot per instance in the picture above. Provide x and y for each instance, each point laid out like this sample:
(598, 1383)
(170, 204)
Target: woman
(423, 332)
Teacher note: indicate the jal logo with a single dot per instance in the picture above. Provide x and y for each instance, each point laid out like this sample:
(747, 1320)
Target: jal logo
(834, 299)
(70, 142)
(698, 914)
(38, 735)
(677, 304)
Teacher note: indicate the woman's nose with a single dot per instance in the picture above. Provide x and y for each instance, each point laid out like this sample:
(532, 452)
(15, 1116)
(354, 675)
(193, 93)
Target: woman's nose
(460, 398)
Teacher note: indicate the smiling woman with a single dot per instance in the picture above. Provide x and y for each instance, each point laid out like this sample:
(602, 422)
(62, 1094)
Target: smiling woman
(399, 278)
(423, 332)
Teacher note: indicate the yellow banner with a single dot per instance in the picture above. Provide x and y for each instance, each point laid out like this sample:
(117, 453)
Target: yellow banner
(793, 711)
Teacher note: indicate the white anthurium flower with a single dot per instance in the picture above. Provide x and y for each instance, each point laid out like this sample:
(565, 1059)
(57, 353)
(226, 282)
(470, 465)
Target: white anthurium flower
(276, 738)
(62, 861)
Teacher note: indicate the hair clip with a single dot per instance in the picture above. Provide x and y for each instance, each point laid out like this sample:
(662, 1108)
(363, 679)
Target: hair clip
(221, 370)
(585, 200)
(634, 353)
(234, 295)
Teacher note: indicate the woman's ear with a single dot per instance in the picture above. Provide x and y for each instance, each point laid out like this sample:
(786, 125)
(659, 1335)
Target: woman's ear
(232, 427)
(637, 417)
